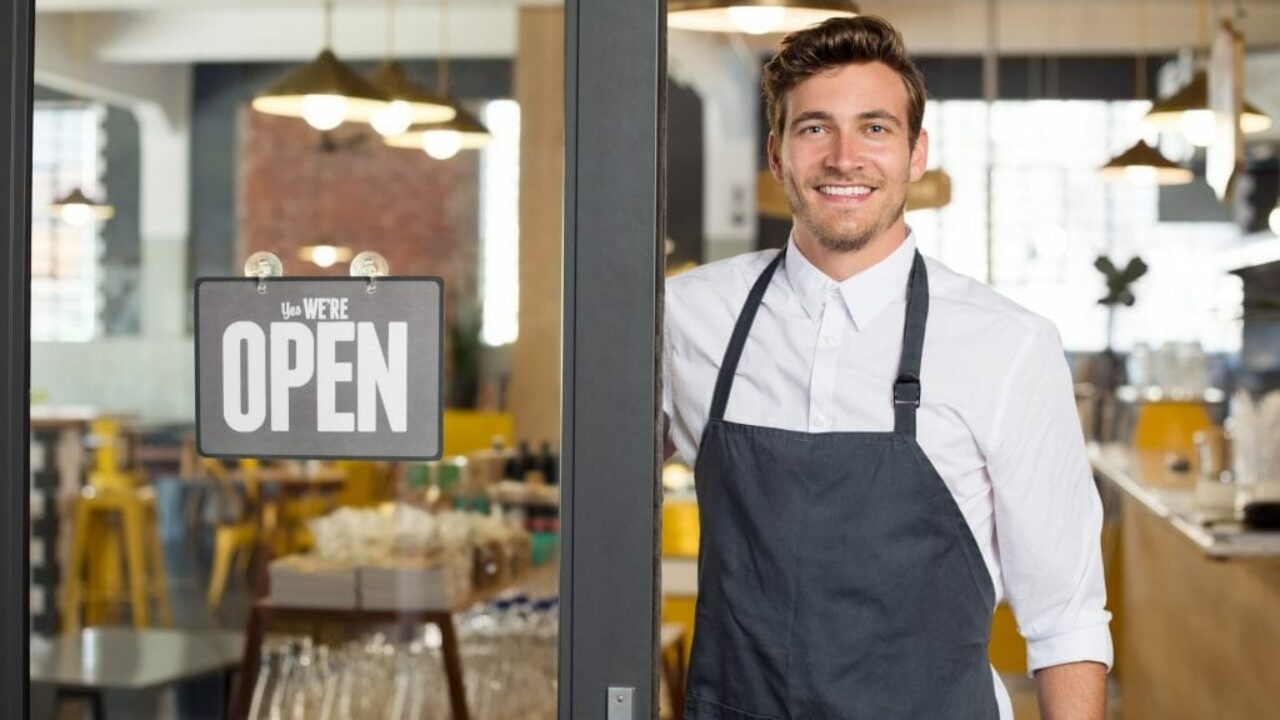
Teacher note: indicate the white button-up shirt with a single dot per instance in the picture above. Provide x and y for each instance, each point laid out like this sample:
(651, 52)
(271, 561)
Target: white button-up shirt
(997, 416)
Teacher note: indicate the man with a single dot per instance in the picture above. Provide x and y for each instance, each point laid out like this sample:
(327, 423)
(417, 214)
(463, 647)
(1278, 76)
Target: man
(884, 449)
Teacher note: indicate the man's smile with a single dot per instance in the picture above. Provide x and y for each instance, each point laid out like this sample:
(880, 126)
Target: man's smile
(845, 194)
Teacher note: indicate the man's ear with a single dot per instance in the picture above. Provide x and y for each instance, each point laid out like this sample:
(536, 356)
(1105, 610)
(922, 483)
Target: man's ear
(920, 155)
(775, 157)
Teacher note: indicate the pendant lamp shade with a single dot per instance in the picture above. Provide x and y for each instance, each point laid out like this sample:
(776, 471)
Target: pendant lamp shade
(471, 134)
(76, 208)
(1188, 111)
(325, 92)
(754, 17)
(1144, 163)
(413, 103)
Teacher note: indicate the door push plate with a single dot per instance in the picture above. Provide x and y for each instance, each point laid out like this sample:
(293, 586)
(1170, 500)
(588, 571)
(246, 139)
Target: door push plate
(621, 706)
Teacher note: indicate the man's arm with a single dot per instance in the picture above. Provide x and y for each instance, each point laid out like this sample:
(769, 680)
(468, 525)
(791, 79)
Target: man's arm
(1073, 691)
(1048, 524)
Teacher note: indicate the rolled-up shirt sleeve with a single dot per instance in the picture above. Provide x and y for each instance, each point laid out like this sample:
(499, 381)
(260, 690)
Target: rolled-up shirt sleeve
(1048, 516)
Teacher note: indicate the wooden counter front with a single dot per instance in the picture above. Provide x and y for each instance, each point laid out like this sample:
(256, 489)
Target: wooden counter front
(1200, 636)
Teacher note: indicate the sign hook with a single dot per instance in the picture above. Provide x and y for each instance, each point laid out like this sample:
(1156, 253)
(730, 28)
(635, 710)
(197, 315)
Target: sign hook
(262, 265)
(371, 265)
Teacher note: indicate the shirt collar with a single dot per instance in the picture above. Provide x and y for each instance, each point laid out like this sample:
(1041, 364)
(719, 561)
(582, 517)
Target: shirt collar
(864, 294)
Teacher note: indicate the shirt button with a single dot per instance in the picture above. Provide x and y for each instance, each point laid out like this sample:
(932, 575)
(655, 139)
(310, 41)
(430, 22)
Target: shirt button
(820, 420)
(831, 340)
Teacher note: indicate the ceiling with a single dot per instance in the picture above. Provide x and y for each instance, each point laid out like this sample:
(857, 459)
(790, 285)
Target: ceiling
(176, 31)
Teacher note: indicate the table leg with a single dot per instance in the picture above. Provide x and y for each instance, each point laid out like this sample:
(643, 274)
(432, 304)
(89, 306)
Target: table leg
(120, 704)
(249, 664)
(453, 667)
(264, 551)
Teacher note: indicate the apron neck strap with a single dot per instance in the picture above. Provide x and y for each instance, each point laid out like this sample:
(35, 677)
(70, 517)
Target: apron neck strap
(729, 367)
(906, 388)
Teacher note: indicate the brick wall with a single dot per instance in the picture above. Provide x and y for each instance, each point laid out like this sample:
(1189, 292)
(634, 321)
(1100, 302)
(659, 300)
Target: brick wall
(422, 214)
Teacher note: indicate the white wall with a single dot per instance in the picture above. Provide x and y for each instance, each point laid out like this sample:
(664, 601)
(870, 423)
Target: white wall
(150, 376)
(152, 379)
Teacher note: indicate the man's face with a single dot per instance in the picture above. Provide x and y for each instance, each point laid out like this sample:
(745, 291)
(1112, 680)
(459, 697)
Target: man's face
(844, 155)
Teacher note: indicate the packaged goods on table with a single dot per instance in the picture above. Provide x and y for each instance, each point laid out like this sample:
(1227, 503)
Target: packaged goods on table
(398, 556)
(314, 582)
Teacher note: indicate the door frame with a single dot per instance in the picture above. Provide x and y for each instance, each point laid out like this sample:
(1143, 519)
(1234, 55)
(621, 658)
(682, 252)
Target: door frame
(614, 227)
(17, 27)
(611, 449)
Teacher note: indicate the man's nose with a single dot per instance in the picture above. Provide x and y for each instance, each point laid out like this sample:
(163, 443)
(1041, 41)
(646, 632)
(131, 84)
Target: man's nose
(846, 153)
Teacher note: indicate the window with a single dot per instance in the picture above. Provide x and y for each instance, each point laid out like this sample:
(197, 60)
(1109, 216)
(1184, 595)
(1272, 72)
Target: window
(66, 140)
(1054, 215)
(500, 224)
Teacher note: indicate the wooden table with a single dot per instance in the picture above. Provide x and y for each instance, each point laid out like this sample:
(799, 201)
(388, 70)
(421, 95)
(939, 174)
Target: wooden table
(120, 670)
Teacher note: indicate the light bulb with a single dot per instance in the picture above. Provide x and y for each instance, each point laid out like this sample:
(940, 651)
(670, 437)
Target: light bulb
(1274, 220)
(757, 20)
(76, 214)
(324, 255)
(324, 112)
(441, 144)
(1140, 174)
(1199, 127)
(392, 118)
(1251, 123)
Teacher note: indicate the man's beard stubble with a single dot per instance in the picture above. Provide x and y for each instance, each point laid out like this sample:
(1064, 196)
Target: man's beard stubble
(841, 243)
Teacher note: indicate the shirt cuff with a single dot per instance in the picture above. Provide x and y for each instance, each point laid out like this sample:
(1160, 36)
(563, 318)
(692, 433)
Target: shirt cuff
(1088, 644)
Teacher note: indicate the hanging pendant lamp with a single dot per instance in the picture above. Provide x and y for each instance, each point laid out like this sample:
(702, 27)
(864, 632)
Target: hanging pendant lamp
(77, 209)
(410, 102)
(754, 17)
(1143, 163)
(1188, 111)
(443, 140)
(324, 92)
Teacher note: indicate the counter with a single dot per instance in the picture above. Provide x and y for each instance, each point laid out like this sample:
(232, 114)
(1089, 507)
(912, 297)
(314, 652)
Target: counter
(1197, 607)
(1143, 477)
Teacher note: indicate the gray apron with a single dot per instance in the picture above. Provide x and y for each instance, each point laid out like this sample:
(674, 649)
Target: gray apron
(837, 577)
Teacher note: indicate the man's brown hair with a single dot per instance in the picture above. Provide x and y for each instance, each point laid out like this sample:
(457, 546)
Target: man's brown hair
(841, 41)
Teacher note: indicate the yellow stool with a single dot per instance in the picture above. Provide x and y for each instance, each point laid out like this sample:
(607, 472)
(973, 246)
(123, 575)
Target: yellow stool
(135, 526)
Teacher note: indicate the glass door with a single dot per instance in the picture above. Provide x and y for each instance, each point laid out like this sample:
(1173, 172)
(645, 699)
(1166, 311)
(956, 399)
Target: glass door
(515, 576)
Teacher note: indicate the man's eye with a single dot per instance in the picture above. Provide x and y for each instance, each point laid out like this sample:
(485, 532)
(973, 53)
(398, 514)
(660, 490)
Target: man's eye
(811, 130)
(878, 128)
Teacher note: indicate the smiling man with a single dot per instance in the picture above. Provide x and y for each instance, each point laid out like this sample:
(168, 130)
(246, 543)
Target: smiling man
(884, 449)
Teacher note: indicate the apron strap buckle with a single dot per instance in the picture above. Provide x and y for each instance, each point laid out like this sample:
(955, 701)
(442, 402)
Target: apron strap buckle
(906, 390)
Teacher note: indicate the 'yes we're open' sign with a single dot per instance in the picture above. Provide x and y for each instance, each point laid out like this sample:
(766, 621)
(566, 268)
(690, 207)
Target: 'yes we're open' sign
(319, 367)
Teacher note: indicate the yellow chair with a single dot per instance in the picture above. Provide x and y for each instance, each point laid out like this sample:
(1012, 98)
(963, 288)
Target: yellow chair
(236, 534)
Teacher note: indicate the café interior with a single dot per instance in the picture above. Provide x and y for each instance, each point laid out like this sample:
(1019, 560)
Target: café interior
(1080, 164)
